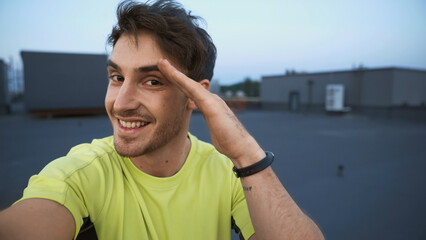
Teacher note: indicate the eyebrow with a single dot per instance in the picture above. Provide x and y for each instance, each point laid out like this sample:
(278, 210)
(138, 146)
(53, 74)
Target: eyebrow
(142, 69)
(110, 63)
(148, 68)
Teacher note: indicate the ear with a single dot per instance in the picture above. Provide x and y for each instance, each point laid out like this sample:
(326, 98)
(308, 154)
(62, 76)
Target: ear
(206, 84)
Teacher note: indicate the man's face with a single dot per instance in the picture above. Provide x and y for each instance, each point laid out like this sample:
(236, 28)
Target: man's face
(147, 111)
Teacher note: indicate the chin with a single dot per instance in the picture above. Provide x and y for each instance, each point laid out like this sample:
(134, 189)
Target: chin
(131, 153)
(128, 149)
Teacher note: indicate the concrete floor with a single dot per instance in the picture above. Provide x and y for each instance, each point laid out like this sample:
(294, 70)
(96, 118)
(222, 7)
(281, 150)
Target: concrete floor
(379, 194)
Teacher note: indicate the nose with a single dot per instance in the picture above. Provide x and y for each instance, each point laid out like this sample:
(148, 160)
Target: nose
(126, 98)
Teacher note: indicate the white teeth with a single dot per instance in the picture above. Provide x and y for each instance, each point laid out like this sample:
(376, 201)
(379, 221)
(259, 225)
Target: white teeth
(132, 124)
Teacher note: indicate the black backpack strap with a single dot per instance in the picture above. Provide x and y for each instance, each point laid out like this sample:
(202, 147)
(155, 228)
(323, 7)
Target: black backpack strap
(236, 229)
(87, 230)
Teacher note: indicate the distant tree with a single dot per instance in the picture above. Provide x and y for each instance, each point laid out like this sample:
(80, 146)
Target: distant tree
(248, 86)
(294, 72)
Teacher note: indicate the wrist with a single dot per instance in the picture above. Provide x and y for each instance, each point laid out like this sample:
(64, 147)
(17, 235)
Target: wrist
(249, 158)
(256, 167)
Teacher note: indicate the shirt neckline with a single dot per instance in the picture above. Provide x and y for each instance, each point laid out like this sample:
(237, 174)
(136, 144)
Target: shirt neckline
(163, 182)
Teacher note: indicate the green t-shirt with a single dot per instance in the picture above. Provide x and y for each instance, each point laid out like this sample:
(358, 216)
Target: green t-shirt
(125, 203)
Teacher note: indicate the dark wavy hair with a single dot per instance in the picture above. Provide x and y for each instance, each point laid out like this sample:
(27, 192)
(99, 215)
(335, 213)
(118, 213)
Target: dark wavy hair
(177, 33)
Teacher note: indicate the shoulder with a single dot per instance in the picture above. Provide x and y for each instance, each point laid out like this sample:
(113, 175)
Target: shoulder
(96, 147)
(207, 151)
(209, 159)
(79, 180)
(83, 157)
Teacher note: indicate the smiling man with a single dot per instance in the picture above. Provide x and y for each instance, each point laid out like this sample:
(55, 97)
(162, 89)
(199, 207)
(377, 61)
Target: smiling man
(149, 114)
(152, 179)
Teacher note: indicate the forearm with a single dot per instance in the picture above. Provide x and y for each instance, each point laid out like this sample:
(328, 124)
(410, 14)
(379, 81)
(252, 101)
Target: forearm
(273, 212)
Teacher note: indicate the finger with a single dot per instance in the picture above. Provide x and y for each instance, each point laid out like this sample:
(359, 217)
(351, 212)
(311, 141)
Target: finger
(191, 88)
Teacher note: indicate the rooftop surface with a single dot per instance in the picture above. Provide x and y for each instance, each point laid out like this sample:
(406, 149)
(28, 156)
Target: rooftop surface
(378, 193)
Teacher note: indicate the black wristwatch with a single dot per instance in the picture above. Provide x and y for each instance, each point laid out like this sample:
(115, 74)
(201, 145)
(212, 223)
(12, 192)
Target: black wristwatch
(255, 168)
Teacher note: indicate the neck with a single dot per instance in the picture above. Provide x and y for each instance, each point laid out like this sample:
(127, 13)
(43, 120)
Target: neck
(167, 160)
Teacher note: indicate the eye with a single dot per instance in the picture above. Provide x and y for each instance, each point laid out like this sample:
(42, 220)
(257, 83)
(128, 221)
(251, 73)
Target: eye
(116, 78)
(154, 82)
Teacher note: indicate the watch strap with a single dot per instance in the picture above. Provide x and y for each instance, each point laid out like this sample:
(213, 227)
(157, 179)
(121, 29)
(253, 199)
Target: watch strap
(255, 168)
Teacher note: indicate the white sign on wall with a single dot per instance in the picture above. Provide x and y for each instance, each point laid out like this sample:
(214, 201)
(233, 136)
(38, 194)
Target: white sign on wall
(334, 97)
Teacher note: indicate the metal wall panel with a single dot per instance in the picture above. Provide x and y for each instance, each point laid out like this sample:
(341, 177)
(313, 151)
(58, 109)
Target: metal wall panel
(4, 91)
(409, 88)
(64, 81)
(376, 88)
(385, 87)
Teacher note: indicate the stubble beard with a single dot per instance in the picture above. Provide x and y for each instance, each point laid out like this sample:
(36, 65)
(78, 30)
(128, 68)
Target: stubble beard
(165, 132)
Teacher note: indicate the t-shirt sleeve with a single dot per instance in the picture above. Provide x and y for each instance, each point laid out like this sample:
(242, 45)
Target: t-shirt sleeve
(240, 211)
(53, 184)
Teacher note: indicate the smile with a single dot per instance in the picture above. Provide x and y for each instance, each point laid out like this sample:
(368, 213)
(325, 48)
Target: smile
(131, 125)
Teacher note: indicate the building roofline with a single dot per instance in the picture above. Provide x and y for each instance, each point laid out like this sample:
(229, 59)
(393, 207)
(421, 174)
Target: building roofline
(60, 53)
(344, 71)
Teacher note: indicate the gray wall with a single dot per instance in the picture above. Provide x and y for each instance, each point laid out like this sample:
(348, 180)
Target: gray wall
(381, 88)
(277, 89)
(4, 91)
(64, 81)
(376, 88)
(409, 87)
(320, 81)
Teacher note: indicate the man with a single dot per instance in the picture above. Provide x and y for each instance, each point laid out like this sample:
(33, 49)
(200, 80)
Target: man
(152, 179)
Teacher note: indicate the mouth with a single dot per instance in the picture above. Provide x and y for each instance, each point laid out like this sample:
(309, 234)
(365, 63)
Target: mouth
(132, 124)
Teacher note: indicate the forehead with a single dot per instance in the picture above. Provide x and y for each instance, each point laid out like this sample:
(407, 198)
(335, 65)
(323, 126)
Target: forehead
(129, 53)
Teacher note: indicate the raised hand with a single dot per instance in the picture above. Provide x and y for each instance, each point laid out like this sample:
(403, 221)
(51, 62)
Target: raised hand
(267, 199)
(228, 134)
